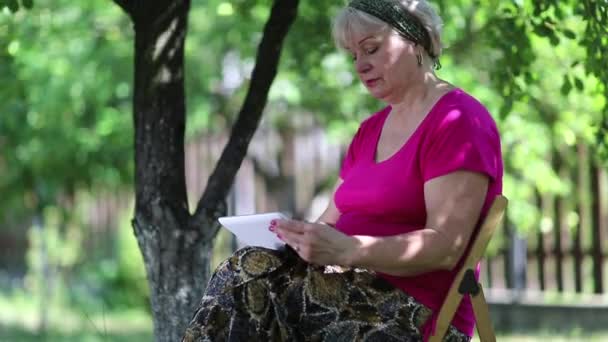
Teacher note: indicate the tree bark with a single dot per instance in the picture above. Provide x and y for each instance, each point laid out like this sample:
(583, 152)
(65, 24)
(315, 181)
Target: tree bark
(175, 258)
(176, 246)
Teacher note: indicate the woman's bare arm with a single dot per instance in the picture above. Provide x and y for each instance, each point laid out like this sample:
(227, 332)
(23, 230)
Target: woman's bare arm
(331, 214)
(453, 204)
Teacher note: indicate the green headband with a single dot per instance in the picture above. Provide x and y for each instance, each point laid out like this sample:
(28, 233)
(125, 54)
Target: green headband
(394, 14)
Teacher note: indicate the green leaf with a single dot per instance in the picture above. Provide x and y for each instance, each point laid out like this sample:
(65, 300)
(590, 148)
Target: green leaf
(566, 86)
(28, 3)
(542, 30)
(569, 34)
(554, 39)
(506, 108)
(559, 13)
(579, 84)
(13, 5)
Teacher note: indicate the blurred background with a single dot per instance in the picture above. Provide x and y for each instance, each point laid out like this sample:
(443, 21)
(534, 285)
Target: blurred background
(70, 267)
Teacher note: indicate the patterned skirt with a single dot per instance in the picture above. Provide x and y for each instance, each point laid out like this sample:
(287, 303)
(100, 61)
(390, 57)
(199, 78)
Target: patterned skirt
(265, 295)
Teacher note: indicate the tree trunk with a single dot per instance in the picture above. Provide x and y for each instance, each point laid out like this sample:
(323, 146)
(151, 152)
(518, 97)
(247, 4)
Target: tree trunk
(176, 246)
(176, 258)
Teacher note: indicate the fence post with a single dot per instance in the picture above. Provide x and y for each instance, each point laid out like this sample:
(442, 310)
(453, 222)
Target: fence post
(597, 211)
(582, 204)
(518, 255)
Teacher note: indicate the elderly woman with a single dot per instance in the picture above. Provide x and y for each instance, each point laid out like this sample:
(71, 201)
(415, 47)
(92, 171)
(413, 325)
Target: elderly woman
(418, 178)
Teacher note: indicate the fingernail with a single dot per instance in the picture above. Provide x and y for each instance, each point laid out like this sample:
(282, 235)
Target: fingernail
(271, 228)
(273, 222)
(279, 236)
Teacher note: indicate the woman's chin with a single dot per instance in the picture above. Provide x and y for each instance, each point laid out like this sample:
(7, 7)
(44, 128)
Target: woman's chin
(379, 94)
(376, 92)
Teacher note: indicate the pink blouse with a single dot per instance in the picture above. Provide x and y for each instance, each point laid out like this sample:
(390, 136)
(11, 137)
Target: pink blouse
(387, 198)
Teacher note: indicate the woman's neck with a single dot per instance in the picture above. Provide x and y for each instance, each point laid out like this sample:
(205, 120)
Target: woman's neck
(417, 97)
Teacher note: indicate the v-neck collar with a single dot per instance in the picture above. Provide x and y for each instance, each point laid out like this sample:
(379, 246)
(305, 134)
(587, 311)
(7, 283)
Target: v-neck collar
(387, 112)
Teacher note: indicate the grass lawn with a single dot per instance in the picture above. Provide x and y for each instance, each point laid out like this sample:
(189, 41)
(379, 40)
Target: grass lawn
(548, 336)
(21, 334)
(19, 322)
(117, 329)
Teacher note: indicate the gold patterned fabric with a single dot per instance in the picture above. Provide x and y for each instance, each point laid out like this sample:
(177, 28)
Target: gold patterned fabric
(265, 295)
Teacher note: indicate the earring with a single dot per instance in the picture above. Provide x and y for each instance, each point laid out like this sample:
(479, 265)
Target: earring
(419, 58)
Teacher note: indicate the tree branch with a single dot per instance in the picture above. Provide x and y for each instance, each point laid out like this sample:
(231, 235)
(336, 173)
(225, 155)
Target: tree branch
(212, 202)
(126, 6)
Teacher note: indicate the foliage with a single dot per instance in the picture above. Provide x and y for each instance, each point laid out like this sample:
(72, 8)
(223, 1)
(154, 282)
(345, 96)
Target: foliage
(60, 241)
(19, 321)
(505, 53)
(517, 27)
(120, 280)
(55, 246)
(304, 85)
(493, 43)
(60, 272)
(15, 5)
(65, 122)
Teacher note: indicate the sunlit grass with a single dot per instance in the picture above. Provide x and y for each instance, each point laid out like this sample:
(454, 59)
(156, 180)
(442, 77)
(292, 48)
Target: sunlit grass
(20, 321)
(19, 334)
(575, 336)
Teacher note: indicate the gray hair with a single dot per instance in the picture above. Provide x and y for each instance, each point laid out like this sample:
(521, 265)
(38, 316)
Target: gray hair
(350, 21)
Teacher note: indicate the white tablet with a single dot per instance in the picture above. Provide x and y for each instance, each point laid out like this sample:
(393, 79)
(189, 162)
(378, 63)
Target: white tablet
(253, 230)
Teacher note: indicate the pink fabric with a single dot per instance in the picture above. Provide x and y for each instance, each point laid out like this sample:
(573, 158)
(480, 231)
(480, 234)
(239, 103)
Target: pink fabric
(387, 198)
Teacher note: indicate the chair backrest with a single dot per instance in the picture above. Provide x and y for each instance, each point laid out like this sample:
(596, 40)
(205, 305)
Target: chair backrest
(480, 243)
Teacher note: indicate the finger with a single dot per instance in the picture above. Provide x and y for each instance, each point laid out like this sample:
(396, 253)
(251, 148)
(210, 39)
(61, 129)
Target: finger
(283, 231)
(292, 226)
(290, 238)
(296, 245)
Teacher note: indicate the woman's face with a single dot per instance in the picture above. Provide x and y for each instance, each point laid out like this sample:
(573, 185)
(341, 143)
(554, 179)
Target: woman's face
(385, 63)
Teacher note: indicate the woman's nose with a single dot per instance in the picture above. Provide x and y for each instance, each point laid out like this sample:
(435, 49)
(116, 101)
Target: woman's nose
(362, 66)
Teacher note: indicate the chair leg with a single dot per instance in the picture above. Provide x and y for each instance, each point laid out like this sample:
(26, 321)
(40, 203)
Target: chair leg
(482, 316)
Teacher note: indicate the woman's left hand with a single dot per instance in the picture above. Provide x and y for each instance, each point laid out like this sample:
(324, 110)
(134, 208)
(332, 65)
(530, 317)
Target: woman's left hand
(316, 243)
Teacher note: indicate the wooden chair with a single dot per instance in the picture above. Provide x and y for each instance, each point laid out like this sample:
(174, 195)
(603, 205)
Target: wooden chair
(465, 283)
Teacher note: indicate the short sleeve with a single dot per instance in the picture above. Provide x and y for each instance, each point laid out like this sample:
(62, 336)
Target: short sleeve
(351, 154)
(464, 139)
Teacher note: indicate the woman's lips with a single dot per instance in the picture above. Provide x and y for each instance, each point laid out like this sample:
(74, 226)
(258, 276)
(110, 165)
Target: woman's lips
(372, 82)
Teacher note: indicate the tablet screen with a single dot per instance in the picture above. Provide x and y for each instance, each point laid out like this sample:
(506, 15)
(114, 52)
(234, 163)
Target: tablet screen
(253, 230)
